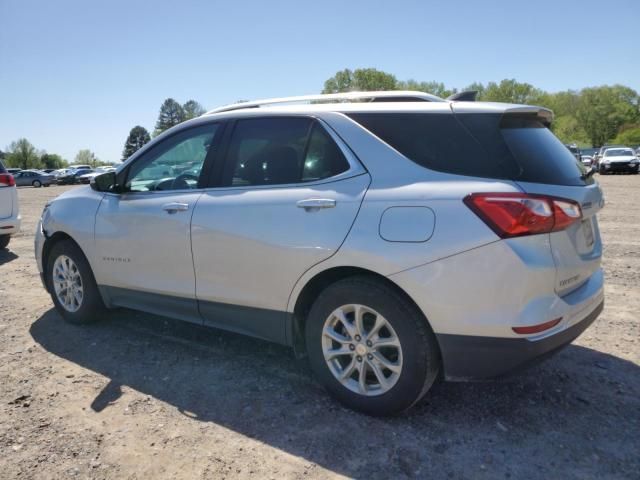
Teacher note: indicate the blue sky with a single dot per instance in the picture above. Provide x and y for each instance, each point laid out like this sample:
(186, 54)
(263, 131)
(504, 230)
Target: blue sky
(80, 74)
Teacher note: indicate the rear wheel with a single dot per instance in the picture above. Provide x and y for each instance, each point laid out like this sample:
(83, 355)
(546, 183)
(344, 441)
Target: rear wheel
(4, 241)
(72, 285)
(36, 183)
(370, 347)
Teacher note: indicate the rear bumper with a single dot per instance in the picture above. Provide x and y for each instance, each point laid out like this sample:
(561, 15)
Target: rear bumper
(10, 226)
(473, 357)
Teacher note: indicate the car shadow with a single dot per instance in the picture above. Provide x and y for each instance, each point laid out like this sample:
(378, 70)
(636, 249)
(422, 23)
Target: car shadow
(256, 389)
(7, 256)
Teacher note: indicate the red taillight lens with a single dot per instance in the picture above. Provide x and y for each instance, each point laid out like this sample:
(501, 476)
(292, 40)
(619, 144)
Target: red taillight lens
(7, 180)
(541, 327)
(518, 214)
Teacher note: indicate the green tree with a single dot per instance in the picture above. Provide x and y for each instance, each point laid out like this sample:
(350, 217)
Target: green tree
(52, 160)
(628, 135)
(22, 154)
(511, 91)
(171, 113)
(360, 79)
(138, 136)
(86, 157)
(602, 111)
(434, 88)
(192, 109)
(567, 129)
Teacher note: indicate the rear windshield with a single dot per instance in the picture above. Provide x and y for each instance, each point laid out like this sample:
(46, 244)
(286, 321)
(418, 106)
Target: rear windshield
(510, 147)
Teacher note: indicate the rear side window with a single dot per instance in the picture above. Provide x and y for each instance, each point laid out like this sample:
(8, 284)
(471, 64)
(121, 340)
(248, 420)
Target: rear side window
(435, 141)
(276, 151)
(480, 145)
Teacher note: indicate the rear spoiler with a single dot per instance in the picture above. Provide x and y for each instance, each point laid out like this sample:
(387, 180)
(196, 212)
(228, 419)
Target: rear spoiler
(542, 114)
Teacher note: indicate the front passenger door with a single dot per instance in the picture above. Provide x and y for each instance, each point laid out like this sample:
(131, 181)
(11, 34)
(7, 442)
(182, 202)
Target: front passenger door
(143, 234)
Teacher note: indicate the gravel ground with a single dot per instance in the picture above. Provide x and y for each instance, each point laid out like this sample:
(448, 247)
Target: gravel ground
(141, 396)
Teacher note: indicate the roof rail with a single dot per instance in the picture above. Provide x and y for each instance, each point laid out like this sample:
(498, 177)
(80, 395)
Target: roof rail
(383, 96)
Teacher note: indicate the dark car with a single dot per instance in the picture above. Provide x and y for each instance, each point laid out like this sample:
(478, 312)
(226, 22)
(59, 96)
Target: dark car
(573, 148)
(71, 177)
(13, 171)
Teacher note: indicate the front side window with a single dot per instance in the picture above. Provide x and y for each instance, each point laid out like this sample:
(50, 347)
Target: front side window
(276, 151)
(175, 164)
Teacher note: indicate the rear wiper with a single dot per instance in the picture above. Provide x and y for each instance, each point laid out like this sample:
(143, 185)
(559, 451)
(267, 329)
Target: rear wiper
(588, 173)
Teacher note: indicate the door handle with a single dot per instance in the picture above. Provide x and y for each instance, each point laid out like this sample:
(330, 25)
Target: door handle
(175, 207)
(311, 204)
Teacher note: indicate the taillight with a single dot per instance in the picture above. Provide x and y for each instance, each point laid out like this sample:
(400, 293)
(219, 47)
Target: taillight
(7, 180)
(541, 327)
(518, 214)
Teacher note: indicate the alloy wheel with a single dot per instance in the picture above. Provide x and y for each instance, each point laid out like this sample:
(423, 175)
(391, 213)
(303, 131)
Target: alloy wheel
(362, 350)
(67, 283)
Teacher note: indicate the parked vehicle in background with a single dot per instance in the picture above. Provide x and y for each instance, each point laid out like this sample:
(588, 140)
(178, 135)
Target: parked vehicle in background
(13, 171)
(9, 209)
(34, 178)
(590, 152)
(71, 176)
(601, 150)
(619, 160)
(48, 170)
(573, 148)
(347, 231)
(86, 178)
(587, 160)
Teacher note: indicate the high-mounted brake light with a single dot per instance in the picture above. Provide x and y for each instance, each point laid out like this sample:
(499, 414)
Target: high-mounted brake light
(518, 214)
(7, 180)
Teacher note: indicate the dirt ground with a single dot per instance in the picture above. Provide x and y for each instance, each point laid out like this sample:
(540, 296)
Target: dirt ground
(141, 396)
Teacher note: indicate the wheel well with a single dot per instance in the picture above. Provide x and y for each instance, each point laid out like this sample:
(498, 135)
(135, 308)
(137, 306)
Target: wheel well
(322, 280)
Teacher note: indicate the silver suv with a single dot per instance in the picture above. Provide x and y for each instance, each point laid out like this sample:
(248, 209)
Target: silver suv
(391, 236)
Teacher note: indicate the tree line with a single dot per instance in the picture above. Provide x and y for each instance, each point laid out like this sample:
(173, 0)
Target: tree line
(593, 116)
(24, 155)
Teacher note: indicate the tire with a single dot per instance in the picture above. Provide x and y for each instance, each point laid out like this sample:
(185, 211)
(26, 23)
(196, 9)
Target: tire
(36, 183)
(4, 241)
(417, 359)
(90, 308)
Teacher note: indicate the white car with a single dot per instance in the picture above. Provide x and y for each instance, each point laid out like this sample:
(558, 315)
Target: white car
(9, 208)
(391, 239)
(615, 160)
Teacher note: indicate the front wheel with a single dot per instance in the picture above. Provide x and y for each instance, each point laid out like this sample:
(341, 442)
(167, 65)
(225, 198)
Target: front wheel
(72, 285)
(4, 241)
(370, 347)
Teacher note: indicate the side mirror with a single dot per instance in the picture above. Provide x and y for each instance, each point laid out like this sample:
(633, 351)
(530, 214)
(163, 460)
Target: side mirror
(105, 182)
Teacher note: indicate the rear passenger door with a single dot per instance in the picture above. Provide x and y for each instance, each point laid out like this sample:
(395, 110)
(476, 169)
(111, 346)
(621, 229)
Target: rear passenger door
(288, 194)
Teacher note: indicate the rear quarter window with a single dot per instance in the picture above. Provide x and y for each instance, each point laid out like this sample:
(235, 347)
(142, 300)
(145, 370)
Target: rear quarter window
(514, 147)
(435, 141)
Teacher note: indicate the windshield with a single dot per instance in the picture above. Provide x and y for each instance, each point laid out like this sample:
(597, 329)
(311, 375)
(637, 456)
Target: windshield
(626, 152)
